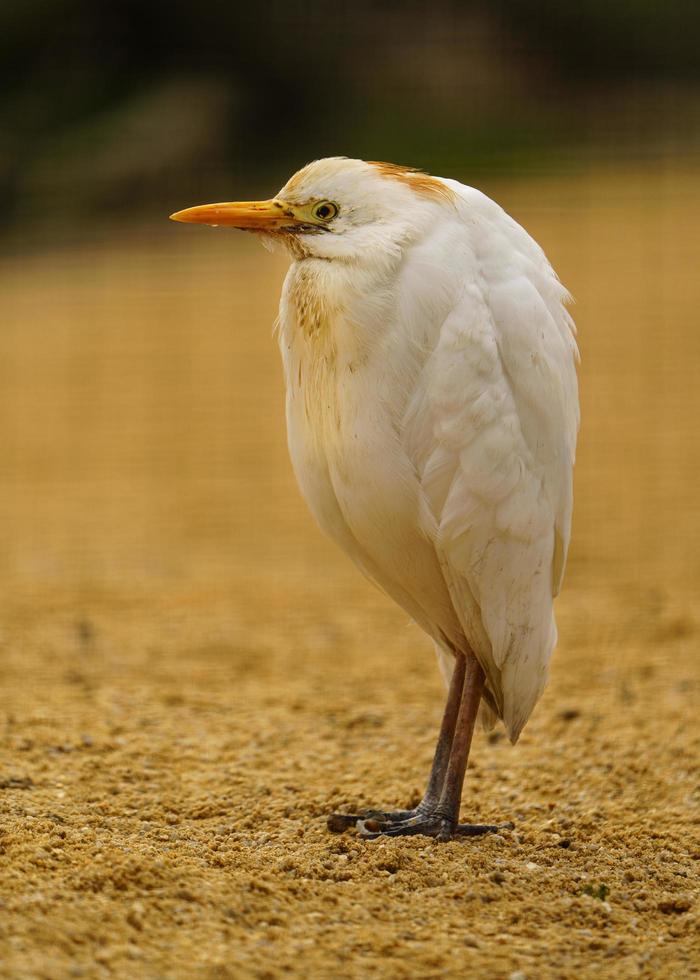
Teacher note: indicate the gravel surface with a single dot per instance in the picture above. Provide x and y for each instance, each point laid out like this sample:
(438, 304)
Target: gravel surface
(193, 678)
(167, 769)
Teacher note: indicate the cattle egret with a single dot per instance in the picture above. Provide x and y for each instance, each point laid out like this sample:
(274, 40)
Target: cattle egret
(432, 414)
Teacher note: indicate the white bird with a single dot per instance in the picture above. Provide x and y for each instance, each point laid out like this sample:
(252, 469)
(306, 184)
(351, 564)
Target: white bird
(432, 414)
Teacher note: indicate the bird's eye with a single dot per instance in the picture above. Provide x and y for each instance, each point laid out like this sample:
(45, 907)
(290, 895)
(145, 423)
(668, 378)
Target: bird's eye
(325, 211)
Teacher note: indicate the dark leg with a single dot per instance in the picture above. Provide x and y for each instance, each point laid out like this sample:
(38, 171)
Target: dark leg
(441, 759)
(440, 819)
(451, 795)
(438, 812)
(338, 822)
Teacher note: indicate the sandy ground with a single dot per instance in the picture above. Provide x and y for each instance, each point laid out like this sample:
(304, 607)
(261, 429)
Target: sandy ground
(193, 678)
(167, 768)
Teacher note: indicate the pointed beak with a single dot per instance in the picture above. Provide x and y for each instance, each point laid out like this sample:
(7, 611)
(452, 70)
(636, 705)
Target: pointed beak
(247, 215)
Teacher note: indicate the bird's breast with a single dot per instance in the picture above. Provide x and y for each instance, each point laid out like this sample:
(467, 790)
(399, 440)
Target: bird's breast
(325, 352)
(344, 411)
(313, 302)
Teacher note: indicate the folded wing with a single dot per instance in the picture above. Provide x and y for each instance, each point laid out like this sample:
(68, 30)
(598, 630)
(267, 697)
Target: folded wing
(491, 429)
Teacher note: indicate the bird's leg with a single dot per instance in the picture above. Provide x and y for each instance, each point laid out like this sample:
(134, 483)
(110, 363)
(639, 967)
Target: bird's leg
(338, 822)
(451, 795)
(438, 812)
(443, 749)
(440, 818)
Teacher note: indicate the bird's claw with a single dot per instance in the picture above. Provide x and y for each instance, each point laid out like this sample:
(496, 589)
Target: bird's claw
(434, 826)
(337, 823)
(372, 824)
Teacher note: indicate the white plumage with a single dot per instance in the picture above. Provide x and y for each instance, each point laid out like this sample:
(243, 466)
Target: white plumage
(432, 413)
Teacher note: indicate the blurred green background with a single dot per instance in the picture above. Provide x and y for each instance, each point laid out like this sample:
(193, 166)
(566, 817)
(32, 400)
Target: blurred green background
(131, 108)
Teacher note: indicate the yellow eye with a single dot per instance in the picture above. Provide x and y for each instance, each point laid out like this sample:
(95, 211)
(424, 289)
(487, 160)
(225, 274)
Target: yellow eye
(325, 211)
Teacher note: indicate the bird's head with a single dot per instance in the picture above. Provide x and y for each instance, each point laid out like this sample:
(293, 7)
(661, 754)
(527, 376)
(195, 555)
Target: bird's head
(338, 209)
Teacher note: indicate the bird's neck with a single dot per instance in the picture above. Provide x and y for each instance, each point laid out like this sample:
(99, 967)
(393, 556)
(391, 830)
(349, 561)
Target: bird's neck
(331, 302)
(315, 299)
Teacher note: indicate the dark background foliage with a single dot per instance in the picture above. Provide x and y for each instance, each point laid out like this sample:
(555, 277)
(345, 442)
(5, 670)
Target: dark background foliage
(108, 107)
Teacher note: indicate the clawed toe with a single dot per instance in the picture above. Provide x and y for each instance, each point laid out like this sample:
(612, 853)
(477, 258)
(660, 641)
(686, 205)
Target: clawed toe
(372, 829)
(337, 823)
(372, 824)
(426, 826)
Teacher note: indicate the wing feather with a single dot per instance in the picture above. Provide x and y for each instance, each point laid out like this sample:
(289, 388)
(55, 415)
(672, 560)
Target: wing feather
(491, 430)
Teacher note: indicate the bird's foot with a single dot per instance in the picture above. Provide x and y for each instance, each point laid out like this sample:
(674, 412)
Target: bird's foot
(339, 822)
(423, 821)
(426, 825)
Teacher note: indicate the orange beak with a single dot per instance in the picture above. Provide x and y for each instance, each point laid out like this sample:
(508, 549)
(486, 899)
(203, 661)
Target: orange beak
(247, 215)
